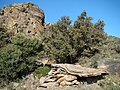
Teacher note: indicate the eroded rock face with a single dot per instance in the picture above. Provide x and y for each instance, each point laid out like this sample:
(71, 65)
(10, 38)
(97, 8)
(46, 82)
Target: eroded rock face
(27, 18)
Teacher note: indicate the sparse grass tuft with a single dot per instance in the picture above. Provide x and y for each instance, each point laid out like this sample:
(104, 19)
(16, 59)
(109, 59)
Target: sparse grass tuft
(110, 82)
(41, 71)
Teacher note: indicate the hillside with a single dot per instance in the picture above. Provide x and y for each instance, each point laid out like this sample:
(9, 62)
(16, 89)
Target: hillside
(31, 49)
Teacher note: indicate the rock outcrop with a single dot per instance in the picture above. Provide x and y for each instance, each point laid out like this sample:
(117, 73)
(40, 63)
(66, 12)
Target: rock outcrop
(26, 17)
(70, 75)
(80, 71)
(62, 75)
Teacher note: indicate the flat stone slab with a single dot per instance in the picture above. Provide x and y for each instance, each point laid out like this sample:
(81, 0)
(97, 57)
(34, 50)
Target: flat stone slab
(80, 71)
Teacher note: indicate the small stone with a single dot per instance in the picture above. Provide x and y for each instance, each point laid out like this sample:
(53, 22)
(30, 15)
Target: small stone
(50, 80)
(60, 75)
(60, 80)
(24, 86)
(70, 77)
(50, 84)
(56, 72)
(82, 83)
(43, 85)
(75, 82)
(51, 72)
(42, 80)
(68, 83)
(63, 83)
(15, 84)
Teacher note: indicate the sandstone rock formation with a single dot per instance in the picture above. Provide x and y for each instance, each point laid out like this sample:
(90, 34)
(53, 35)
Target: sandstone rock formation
(80, 71)
(27, 18)
(70, 75)
(60, 76)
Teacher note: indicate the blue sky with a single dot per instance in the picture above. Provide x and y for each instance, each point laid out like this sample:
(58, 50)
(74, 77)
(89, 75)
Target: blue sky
(107, 10)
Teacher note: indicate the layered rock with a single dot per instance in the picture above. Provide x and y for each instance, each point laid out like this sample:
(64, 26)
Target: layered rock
(27, 18)
(71, 75)
(81, 71)
(60, 76)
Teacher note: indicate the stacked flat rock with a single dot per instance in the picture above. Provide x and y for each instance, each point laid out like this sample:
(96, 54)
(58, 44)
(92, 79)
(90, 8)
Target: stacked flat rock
(67, 75)
(58, 77)
(61, 75)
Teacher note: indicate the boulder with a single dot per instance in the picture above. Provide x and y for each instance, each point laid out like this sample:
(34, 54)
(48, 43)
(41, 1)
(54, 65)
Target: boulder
(75, 82)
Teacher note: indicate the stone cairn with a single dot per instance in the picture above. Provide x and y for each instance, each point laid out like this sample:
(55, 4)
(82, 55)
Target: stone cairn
(61, 75)
(58, 77)
(67, 75)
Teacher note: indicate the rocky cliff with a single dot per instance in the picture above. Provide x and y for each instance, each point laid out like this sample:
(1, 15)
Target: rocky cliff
(26, 17)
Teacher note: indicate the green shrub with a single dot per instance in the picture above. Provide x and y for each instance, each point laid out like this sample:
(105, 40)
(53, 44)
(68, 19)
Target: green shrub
(117, 48)
(110, 83)
(41, 71)
(94, 60)
(4, 37)
(91, 35)
(18, 58)
(57, 43)
(94, 64)
(65, 43)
